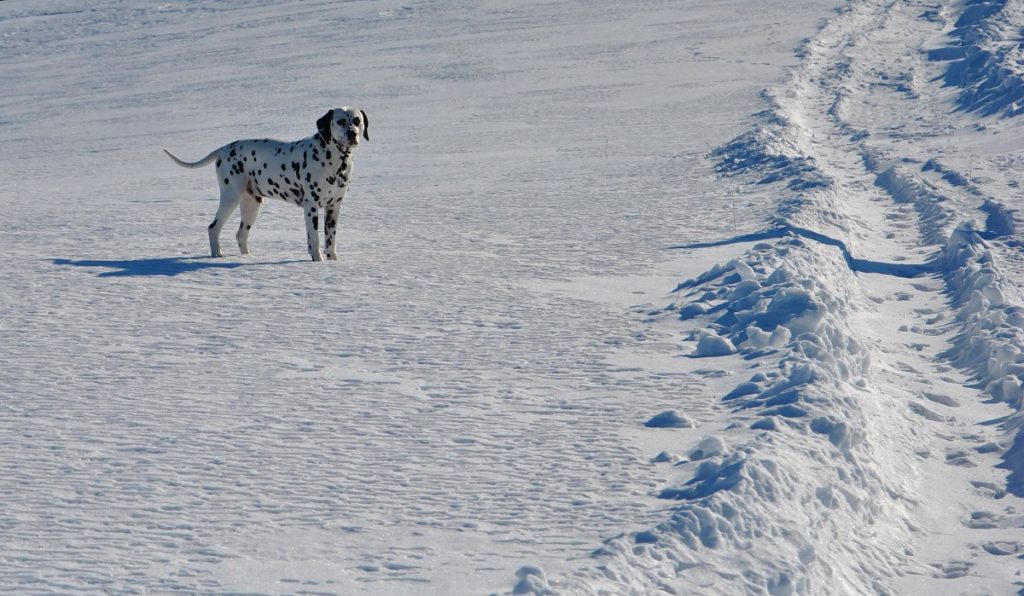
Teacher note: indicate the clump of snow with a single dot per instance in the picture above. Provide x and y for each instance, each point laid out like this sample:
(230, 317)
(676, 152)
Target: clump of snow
(692, 310)
(712, 344)
(669, 419)
(531, 581)
(708, 447)
(665, 457)
(999, 220)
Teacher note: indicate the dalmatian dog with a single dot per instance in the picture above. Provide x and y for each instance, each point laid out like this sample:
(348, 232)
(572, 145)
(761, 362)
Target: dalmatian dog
(313, 173)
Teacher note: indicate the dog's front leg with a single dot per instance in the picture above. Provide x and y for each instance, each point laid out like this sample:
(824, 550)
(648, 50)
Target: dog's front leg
(312, 234)
(331, 217)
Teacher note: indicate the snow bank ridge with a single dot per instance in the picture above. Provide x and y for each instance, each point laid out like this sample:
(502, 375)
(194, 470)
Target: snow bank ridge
(788, 301)
(985, 57)
(935, 218)
(799, 466)
(991, 338)
(990, 342)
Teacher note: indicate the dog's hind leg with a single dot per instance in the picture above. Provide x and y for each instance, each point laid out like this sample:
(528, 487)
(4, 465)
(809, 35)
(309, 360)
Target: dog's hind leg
(250, 209)
(229, 199)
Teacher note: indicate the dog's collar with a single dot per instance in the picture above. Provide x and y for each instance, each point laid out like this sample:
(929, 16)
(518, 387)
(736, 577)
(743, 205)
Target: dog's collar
(344, 151)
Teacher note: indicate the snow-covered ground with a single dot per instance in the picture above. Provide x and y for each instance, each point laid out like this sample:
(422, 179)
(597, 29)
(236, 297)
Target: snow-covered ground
(689, 297)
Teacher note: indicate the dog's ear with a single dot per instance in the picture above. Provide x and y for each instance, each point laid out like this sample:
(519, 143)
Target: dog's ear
(324, 125)
(366, 126)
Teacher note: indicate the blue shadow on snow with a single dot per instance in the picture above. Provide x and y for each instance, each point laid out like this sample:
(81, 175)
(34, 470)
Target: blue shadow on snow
(907, 270)
(165, 266)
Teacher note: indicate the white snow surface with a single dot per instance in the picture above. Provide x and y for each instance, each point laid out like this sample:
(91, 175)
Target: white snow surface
(688, 297)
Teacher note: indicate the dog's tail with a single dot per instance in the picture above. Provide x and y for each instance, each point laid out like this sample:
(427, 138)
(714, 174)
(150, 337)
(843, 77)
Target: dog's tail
(193, 164)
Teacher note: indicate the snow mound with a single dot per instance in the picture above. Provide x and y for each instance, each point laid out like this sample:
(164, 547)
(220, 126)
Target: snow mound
(669, 419)
(532, 580)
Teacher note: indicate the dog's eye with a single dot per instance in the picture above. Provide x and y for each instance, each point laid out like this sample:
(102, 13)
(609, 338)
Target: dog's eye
(355, 121)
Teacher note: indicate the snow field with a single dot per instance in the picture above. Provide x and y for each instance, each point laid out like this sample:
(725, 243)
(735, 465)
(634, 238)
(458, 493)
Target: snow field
(495, 389)
(457, 397)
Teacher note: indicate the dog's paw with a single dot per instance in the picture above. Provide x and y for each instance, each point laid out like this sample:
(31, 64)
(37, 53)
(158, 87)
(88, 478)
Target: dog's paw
(332, 256)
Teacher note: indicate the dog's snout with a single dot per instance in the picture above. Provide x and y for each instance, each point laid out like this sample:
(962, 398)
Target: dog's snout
(353, 135)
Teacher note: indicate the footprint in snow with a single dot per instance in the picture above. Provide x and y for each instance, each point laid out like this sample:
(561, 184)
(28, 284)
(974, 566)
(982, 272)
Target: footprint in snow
(1003, 548)
(959, 458)
(988, 489)
(952, 569)
(941, 399)
(925, 413)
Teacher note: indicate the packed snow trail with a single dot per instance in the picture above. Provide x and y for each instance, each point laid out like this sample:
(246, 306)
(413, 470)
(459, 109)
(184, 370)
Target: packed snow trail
(908, 433)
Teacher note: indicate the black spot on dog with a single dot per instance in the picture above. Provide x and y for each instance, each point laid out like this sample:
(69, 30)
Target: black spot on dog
(218, 162)
(225, 181)
(283, 168)
(213, 225)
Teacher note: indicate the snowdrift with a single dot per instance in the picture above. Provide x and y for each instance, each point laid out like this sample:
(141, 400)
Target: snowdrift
(985, 57)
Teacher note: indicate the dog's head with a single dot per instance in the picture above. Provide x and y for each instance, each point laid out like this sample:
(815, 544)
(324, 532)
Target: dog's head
(344, 126)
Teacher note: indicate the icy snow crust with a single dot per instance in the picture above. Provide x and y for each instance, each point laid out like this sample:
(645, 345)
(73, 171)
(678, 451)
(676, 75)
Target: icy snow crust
(492, 391)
